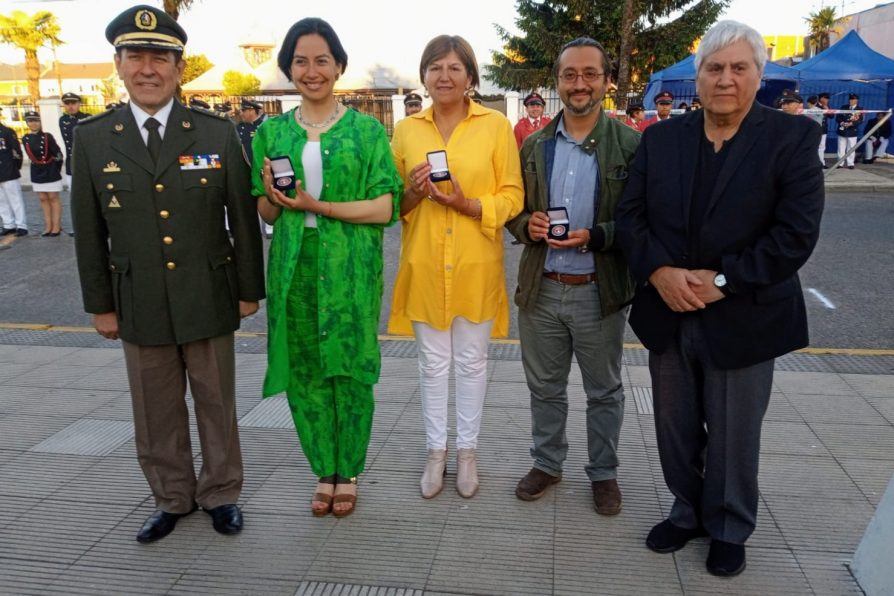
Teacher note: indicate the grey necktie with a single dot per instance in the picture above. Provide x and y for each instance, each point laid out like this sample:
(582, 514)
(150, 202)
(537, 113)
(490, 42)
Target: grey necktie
(154, 142)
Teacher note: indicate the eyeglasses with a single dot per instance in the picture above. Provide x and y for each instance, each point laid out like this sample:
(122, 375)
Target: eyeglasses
(589, 76)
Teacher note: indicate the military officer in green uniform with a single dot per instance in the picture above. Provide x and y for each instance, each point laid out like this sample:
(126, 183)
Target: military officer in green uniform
(150, 184)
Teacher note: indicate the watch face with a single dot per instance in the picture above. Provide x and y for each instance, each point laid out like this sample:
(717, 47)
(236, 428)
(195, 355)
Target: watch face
(720, 280)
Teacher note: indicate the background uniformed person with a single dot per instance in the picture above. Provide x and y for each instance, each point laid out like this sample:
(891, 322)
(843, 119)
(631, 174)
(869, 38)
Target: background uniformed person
(12, 206)
(412, 104)
(71, 103)
(46, 172)
(251, 114)
(533, 121)
(664, 103)
(157, 268)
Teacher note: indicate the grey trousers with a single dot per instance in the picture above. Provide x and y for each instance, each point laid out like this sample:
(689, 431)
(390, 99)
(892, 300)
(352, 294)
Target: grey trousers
(157, 376)
(566, 320)
(708, 425)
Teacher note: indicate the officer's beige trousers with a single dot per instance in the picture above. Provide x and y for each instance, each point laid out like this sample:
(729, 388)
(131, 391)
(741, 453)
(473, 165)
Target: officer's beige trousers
(157, 376)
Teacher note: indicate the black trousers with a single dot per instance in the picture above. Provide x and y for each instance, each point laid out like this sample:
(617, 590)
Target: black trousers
(708, 424)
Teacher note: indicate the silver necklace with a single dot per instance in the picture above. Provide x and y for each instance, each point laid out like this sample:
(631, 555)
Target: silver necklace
(322, 124)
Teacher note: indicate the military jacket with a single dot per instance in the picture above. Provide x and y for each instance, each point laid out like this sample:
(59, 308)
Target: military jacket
(151, 242)
(45, 156)
(67, 123)
(10, 154)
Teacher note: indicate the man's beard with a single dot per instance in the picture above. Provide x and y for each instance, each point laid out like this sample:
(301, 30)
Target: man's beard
(584, 109)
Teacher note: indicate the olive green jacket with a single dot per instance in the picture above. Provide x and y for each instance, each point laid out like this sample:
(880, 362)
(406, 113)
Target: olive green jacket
(151, 242)
(612, 144)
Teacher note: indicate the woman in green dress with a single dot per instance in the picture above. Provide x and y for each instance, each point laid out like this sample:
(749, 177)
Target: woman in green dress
(324, 283)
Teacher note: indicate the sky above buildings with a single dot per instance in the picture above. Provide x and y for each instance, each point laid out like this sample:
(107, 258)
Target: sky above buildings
(389, 33)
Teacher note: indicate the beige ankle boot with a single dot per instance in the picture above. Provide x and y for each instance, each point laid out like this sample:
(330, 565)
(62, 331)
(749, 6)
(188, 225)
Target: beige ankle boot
(433, 477)
(466, 473)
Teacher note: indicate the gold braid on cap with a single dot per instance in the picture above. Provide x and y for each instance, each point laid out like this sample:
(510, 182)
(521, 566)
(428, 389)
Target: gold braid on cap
(142, 37)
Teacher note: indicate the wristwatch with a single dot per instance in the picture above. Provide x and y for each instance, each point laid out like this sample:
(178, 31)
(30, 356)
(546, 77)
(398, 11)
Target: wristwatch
(720, 284)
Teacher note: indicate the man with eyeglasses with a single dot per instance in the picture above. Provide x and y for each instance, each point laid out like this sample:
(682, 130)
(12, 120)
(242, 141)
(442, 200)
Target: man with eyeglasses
(573, 290)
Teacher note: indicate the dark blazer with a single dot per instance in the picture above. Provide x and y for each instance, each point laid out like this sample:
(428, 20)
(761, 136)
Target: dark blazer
(760, 226)
(67, 123)
(151, 241)
(10, 154)
(45, 156)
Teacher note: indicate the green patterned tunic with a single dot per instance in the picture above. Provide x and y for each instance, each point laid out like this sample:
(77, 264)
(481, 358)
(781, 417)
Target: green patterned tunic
(357, 165)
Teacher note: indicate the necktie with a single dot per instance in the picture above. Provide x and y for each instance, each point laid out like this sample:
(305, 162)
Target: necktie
(154, 142)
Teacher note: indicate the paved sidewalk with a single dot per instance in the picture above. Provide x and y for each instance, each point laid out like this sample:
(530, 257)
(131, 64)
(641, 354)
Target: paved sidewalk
(72, 495)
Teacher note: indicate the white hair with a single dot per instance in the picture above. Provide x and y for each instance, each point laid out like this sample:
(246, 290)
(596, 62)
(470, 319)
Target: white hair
(726, 33)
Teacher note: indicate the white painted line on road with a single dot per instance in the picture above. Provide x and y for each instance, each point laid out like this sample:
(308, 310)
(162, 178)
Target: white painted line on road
(825, 301)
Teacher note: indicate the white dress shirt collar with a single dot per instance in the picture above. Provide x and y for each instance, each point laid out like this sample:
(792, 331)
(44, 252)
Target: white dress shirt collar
(161, 115)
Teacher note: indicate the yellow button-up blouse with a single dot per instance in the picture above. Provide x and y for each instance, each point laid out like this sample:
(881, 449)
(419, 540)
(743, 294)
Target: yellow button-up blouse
(450, 264)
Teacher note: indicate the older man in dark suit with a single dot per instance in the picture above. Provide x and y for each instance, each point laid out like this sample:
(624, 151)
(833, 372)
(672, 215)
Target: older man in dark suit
(722, 208)
(150, 184)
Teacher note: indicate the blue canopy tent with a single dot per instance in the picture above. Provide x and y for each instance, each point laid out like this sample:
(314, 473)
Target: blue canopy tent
(679, 79)
(849, 66)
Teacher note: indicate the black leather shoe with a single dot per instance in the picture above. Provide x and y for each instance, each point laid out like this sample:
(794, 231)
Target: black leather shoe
(227, 519)
(725, 558)
(667, 538)
(158, 525)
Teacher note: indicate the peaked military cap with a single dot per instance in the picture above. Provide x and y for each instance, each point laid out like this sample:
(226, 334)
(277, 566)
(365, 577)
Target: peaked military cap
(791, 97)
(247, 104)
(412, 98)
(67, 97)
(32, 115)
(198, 103)
(664, 97)
(145, 27)
(853, 96)
(534, 98)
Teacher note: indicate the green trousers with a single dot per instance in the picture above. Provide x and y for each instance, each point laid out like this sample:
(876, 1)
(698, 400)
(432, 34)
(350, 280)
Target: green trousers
(333, 415)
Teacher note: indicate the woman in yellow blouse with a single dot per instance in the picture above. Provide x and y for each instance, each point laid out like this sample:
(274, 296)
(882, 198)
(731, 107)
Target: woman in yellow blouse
(450, 290)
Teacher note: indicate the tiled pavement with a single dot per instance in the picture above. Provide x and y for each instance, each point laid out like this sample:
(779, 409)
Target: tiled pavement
(72, 496)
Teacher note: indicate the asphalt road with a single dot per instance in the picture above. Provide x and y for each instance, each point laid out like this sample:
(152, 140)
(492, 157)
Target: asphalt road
(848, 282)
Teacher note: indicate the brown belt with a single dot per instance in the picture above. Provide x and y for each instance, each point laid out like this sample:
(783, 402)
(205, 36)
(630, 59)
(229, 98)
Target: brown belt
(570, 279)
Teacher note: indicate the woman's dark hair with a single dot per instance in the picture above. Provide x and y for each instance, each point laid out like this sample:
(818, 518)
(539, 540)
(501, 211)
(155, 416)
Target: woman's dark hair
(443, 45)
(309, 26)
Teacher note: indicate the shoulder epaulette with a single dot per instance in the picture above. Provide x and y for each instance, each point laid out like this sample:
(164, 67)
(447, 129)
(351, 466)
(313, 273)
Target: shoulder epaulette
(95, 117)
(197, 110)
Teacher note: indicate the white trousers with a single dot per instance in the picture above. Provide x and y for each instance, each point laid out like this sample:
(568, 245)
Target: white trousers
(882, 148)
(12, 206)
(822, 150)
(845, 144)
(465, 343)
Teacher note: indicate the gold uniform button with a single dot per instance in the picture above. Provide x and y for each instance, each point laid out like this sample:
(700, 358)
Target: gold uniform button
(449, 268)
(203, 181)
(167, 240)
(171, 265)
(164, 214)
(159, 187)
(110, 186)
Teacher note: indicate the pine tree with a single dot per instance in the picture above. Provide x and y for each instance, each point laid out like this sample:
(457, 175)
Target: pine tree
(653, 34)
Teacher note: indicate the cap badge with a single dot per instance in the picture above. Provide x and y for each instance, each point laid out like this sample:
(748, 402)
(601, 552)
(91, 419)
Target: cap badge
(111, 167)
(145, 20)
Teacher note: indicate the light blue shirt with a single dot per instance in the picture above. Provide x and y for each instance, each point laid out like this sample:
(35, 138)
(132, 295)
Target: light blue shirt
(573, 185)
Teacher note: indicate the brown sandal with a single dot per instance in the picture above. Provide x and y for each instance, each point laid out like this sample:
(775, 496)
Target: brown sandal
(344, 497)
(325, 498)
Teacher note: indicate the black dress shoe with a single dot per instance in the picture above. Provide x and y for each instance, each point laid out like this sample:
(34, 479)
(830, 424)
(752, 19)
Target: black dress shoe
(227, 519)
(667, 537)
(158, 525)
(725, 558)
(21, 232)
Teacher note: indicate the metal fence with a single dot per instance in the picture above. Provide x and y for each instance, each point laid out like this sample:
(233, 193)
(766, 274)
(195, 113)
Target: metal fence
(377, 106)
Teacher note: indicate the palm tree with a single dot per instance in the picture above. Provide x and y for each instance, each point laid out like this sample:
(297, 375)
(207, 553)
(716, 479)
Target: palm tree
(30, 33)
(822, 23)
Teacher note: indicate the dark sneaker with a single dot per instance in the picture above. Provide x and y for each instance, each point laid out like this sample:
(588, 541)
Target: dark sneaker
(606, 497)
(534, 484)
(667, 537)
(725, 558)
